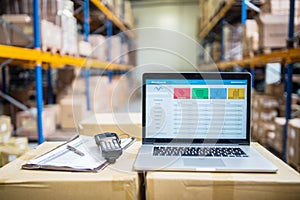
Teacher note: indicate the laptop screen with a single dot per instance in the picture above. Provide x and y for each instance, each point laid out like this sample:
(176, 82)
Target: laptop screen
(188, 106)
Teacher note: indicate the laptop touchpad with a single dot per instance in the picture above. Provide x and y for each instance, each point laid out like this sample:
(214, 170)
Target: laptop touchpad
(203, 162)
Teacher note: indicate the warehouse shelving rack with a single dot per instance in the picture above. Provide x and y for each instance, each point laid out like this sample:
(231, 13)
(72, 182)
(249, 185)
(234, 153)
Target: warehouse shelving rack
(286, 57)
(38, 59)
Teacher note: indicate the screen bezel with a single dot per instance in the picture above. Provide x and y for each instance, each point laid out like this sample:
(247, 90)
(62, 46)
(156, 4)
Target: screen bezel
(198, 76)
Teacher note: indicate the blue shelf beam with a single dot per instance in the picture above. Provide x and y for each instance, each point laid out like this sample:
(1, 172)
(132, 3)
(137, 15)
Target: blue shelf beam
(50, 86)
(244, 12)
(86, 26)
(38, 71)
(252, 71)
(86, 23)
(289, 86)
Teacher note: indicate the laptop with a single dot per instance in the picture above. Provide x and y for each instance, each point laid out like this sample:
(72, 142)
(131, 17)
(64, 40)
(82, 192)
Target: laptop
(198, 122)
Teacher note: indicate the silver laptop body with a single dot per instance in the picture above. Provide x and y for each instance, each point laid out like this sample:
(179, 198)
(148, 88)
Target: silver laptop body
(198, 122)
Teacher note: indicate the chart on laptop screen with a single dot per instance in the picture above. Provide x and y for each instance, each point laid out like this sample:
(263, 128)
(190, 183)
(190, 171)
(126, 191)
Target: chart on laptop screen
(205, 109)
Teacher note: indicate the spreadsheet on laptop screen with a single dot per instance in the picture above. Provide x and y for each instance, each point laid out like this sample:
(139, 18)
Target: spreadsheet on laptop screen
(205, 109)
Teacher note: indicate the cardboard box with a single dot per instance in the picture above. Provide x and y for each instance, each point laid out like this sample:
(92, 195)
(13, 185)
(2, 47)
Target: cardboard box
(99, 48)
(279, 132)
(72, 110)
(265, 101)
(105, 96)
(100, 95)
(264, 130)
(56, 109)
(285, 184)
(121, 123)
(4, 137)
(264, 114)
(50, 36)
(23, 23)
(293, 142)
(275, 89)
(273, 30)
(116, 181)
(5, 129)
(254, 131)
(27, 123)
(15, 147)
(280, 7)
(233, 36)
(250, 38)
(118, 92)
(84, 48)
(5, 124)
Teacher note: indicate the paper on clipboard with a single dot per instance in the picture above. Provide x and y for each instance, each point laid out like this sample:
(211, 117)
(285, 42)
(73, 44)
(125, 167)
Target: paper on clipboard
(61, 158)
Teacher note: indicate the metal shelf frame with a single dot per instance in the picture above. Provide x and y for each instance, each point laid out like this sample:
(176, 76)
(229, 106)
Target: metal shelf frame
(115, 20)
(289, 86)
(38, 71)
(286, 57)
(208, 27)
(39, 60)
(30, 56)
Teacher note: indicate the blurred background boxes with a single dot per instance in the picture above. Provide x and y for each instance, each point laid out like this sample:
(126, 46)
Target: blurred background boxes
(293, 143)
(273, 30)
(55, 108)
(13, 148)
(121, 123)
(26, 123)
(72, 110)
(5, 129)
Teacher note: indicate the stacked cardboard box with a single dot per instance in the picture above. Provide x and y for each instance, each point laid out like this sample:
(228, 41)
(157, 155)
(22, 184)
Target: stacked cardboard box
(105, 96)
(264, 111)
(72, 110)
(275, 139)
(99, 49)
(273, 23)
(13, 148)
(68, 24)
(118, 91)
(55, 108)
(273, 30)
(99, 94)
(10, 147)
(84, 48)
(23, 23)
(118, 49)
(281, 7)
(58, 25)
(293, 143)
(26, 123)
(65, 78)
(250, 38)
(53, 31)
(233, 35)
(5, 128)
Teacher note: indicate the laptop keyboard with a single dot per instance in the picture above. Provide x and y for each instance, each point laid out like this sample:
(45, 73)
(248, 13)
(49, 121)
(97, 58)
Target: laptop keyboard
(199, 151)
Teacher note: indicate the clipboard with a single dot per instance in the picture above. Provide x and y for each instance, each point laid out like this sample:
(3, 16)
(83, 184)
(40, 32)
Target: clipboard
(62, 158)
